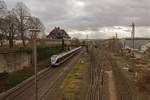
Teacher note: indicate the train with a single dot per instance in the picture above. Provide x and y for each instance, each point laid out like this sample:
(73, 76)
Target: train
(56, 60)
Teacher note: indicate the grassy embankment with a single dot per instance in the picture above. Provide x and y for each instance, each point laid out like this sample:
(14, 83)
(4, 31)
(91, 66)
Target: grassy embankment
(72, 82)
(9, 80)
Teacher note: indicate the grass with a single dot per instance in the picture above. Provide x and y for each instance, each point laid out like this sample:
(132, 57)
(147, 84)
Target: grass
(16, 78)
(3, 76)
(9, 80)
(72, 82)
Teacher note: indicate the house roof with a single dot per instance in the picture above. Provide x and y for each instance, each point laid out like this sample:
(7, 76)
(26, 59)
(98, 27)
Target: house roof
(58, 33)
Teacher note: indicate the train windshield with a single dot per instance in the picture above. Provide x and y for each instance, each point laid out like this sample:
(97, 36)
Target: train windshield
(53, 58)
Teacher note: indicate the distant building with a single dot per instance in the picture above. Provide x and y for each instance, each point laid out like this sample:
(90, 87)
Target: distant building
(58, 33)
(138, 42)
(145, 47)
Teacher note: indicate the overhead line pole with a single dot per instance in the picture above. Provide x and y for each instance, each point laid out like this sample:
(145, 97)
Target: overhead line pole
(34, 31)
(133, 37)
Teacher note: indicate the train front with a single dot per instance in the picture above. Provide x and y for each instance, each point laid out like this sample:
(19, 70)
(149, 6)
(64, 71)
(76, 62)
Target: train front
(54, 59)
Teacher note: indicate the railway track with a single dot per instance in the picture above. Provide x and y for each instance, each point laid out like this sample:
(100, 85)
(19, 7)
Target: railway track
(100, 62)
(29, 84)
(98, 88)
(54, 88)
(126, 90)
(48, 83)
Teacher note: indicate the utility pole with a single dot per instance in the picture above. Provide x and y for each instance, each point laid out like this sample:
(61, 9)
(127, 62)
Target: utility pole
(116, 35)
(116, 40)
(133, 37)
(34, 32)
(87, 37)
(63, 43)
(133, 46)
(87, 50)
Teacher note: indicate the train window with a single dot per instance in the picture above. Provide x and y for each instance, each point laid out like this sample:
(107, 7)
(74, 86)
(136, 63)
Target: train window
(58, 61)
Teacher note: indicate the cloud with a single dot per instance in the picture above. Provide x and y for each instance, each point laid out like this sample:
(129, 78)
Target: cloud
(83, 15)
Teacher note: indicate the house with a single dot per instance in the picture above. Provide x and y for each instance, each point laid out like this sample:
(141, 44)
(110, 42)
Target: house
(58, 33)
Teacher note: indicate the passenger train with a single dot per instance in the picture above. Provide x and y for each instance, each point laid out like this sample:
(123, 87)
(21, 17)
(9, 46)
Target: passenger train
(56, 60)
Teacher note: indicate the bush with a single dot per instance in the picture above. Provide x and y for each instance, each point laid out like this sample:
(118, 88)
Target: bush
(46, 52)
(3, 76)
(24, 50)
(43, 52)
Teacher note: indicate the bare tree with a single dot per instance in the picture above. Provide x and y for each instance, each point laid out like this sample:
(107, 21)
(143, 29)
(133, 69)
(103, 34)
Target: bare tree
(3, 8)
(3, 13)
(34, 22)
(23, 14)
(2, 30)
(16, 24)
(11, 27)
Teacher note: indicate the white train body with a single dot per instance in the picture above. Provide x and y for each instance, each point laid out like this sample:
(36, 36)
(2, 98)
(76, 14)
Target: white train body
(56, 60)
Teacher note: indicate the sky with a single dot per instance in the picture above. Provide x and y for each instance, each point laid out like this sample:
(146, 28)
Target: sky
(92, 18)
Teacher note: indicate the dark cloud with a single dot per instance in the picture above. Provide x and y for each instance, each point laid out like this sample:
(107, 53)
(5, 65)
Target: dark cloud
(88, 14)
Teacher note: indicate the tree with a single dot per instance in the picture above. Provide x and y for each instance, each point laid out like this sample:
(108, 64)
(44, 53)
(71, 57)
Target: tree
(2, 30)
(75, 41)
(23, 14)
(34, 22)
(16, 23)
(11, 27)
(3, 13)
(3, 8)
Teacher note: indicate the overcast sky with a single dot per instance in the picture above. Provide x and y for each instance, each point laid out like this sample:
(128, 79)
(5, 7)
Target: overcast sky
(96, 18)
